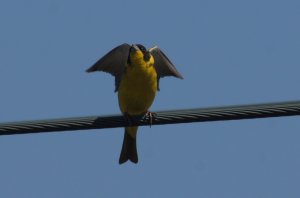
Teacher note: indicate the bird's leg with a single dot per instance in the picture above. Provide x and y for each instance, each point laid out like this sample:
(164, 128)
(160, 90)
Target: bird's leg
(149, 116)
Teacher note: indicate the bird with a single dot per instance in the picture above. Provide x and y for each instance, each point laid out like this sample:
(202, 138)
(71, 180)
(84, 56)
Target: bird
(137, 73)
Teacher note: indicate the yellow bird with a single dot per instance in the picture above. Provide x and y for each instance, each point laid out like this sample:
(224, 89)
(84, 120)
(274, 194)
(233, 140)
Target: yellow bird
(137, 72)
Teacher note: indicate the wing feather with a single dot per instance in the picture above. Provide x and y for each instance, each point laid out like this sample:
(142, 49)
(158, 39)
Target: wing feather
(113, 62)
(163, 66)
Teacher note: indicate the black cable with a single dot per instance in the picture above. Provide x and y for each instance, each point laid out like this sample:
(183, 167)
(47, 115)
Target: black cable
(162, 117)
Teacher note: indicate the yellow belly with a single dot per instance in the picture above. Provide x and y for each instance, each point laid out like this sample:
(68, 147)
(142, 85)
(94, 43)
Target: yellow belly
(137, 89)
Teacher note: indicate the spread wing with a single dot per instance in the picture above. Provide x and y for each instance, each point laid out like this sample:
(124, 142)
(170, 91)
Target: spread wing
(163, 66)
(113, 62)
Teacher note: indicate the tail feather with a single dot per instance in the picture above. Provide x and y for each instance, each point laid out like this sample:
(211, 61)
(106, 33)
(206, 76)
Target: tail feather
(129, 151)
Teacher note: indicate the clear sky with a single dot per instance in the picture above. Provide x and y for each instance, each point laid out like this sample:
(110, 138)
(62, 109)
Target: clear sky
(229, 52)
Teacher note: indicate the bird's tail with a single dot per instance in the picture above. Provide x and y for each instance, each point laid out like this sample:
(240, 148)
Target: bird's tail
(129, 151)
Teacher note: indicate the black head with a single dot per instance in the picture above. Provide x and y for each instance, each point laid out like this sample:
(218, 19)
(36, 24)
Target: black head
(145, 52)
(142, 48)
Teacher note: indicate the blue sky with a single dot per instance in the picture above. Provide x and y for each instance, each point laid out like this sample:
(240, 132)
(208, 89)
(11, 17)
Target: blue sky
(229, 52)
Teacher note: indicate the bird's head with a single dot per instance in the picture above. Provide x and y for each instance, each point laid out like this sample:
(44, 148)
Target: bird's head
(138, 53)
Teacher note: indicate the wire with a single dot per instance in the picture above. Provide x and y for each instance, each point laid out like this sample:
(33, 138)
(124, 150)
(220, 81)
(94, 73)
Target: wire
(162, 117)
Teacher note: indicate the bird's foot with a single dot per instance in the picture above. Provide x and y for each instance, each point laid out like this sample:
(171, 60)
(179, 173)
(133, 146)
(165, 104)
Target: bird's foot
(149, 116)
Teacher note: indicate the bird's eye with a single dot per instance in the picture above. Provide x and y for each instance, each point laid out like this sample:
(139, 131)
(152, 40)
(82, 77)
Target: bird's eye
(142, 48)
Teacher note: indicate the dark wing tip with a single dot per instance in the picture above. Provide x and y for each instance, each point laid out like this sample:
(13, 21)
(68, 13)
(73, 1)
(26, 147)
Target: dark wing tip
(90, 70)
(180, 77)
(93, 68)
(175, 73)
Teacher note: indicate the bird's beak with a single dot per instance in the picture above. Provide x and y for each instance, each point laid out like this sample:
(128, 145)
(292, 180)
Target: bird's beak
(135, 48)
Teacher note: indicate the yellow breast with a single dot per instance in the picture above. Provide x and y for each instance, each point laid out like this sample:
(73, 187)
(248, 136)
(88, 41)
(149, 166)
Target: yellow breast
(138, 86)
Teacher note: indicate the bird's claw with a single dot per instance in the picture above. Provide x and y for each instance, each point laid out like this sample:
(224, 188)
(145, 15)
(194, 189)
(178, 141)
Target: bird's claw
(149, 116)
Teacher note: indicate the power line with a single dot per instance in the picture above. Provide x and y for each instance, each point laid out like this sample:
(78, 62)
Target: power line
(162, 117)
